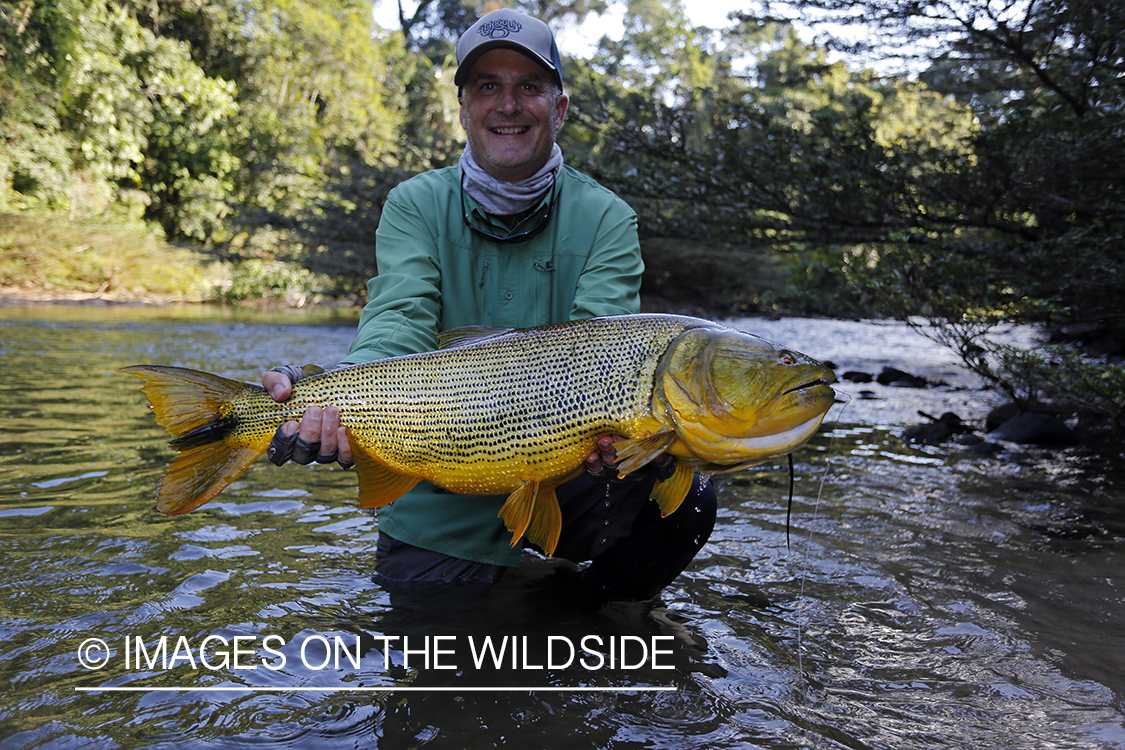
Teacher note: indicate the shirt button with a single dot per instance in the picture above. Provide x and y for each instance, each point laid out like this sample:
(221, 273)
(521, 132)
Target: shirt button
(508, 295)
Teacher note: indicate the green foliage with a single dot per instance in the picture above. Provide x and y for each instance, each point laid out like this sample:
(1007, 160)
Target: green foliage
(1038, 202)
(54, 253)
(36, 153)
(694, 276)
(35, 150)
(798, 152)
(318, 89)
(195, 111)
(272, 280)
(828, 281)
(147, 116)
(1058, 373)
(104, 108)
(660, 53)
(1064, 373)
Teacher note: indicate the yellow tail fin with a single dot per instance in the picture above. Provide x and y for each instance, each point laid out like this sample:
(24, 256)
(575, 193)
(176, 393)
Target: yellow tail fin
(188, 404)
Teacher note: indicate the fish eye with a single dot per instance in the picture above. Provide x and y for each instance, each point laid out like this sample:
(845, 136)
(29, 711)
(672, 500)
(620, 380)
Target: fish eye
(787, 359)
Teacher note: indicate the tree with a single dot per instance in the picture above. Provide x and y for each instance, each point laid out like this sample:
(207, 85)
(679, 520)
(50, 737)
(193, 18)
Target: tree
(795, 150)
(1042, 195)
(109, 110)
(35, 151)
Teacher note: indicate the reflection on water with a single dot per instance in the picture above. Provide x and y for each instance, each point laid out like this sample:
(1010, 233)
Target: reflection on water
(927, 599)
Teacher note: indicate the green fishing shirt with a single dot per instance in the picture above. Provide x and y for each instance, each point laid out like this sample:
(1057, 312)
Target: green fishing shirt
(434, 273)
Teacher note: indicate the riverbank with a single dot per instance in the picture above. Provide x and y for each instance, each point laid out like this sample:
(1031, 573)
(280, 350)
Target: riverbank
(11, 296)
(53, 259)
(50, 259)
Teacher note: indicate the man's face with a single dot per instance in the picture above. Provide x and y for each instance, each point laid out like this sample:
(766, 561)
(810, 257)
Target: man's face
(511, 109)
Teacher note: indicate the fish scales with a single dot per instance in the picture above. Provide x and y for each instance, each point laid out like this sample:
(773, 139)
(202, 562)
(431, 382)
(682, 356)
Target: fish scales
(481, 417)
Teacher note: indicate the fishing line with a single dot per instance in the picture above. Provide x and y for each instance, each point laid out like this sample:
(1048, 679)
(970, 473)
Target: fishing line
(789, 507)
(846, 400)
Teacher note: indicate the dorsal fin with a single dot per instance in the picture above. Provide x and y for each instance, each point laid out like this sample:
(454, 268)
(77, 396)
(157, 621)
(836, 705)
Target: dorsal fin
(458, 337)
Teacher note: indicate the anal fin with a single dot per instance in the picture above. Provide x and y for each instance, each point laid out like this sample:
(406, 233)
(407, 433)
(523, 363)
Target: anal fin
(533, 509)
(378, 485)
(672, 491)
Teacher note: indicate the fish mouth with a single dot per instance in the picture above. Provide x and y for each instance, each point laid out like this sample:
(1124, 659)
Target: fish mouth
(733, 453)
(810, 384)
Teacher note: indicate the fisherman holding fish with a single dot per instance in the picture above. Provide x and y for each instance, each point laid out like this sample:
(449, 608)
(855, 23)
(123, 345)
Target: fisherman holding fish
(511, 237)
(500, 352)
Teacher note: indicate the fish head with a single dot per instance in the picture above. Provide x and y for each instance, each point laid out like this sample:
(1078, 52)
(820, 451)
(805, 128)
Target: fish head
(735, 399)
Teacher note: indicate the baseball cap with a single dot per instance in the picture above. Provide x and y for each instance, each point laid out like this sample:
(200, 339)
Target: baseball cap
(507, 28)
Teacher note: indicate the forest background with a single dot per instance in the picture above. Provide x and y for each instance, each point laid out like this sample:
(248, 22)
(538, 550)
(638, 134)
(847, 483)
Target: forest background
(958, 162)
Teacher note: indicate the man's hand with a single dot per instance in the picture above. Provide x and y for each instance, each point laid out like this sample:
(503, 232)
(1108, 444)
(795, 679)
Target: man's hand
(602, 463)
(317, 437)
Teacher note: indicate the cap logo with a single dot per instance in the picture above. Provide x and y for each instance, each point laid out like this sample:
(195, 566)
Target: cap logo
(500, 28)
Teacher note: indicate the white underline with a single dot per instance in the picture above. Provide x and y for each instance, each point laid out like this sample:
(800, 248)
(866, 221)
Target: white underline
(393, 689)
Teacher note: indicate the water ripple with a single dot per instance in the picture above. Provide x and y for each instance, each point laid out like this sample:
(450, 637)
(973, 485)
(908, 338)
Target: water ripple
(913, 600)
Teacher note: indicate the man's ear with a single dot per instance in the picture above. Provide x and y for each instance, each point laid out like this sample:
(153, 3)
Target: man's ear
(561, 106)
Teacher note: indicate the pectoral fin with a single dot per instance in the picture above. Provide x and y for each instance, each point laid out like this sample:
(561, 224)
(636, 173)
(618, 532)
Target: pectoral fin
(634, 453)
(378, 485)
(672, 491)
(533, 510)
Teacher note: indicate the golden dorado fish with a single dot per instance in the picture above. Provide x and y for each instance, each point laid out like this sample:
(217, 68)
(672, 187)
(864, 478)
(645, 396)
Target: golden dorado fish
(513, 411)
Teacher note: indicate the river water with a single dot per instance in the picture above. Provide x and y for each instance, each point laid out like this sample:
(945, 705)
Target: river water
(927, 598)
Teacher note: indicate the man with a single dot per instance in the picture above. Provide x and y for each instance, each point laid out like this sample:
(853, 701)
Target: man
(510, 237)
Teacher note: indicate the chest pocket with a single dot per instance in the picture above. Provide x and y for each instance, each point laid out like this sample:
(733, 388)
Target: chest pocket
(515, 288)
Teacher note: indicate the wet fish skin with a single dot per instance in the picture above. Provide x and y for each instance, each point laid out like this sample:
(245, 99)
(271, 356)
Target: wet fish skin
(513, 411)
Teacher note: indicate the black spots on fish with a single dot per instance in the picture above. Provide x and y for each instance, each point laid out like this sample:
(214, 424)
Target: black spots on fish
(514, 401)
(573, 401)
